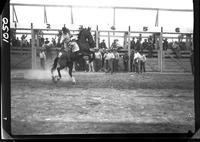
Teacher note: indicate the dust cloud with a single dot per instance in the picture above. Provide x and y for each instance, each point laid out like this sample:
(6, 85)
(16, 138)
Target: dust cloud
(39, 74)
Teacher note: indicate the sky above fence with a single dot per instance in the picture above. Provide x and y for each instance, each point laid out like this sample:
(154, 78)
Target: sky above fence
(58, 16)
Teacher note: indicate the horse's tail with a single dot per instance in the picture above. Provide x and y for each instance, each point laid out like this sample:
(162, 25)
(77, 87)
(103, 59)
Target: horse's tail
(54, 64)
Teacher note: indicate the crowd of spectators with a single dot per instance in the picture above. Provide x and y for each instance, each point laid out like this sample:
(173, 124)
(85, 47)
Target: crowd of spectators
(110, 60)
(22, 42)
(107, 59)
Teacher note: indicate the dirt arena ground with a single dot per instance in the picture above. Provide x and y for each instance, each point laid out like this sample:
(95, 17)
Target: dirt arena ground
(101, 103)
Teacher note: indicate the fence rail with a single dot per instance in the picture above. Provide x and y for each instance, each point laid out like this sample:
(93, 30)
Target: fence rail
(168, 54)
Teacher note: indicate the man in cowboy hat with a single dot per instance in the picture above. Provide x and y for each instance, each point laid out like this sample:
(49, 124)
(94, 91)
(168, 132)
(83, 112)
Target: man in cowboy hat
(114, 44)
(103, 44)
(65, 39)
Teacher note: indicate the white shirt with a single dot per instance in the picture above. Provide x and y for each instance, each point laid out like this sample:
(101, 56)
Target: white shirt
(42, 55)
(137, 55)
(116, 55)
(98, 55)
(75, 46)
(143, 58)
(109, 56)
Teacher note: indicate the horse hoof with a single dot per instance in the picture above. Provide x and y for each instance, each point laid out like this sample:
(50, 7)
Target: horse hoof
(55, 79)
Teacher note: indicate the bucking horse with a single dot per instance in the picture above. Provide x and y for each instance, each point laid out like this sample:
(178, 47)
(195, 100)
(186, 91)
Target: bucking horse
(85, 43)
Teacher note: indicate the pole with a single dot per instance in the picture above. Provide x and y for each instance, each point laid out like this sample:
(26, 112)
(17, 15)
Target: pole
(114, 22)
(161, 50)
(129, 48)
(108, 39)
(97, 37)
(33, 48)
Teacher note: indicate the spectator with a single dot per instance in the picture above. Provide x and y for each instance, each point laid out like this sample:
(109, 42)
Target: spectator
(103, 44)
(115, 45)
(23, 37)
(26, 43)
(180, 37)
(110, 56)
(182, 45)
(90, 65)
(46, 41)
(42, 59)
(53, 41)
(66, 30)
(17, 42)
(132, 61)
(165, 44)
(30, 40)
(84, 64)
(144, 45)
(97, 60)
(150, 48)
(106, 59)
(102, 51)
(116, 61)
(41, 40)
(126, 45)
(156, 44)
(142, 63)
(137, 58)
(13, 37)
(138, 45)
(59, 36)
(176, 49)
(133, 43)
(125, 60)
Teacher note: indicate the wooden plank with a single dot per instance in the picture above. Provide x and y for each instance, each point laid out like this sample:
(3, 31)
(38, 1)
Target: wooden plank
(106, 7)
(106, 31)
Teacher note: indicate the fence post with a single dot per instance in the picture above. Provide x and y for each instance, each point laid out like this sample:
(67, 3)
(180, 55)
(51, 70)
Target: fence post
(161, 50)
(129, 49)
(33, 48)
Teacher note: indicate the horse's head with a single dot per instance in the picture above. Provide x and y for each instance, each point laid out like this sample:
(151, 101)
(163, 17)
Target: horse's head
(86, 36)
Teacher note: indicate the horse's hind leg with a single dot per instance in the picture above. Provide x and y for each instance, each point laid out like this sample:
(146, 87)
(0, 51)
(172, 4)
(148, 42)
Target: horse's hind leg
(58, 69)
(70, 72)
